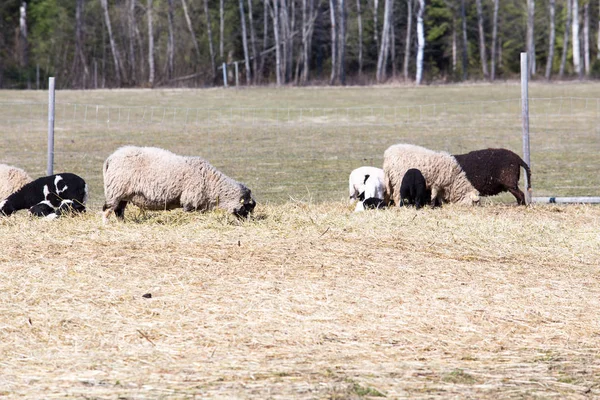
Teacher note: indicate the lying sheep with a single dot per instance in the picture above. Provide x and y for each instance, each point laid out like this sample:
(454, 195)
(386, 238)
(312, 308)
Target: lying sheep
(444, 177)
(156, 179)
(11, 180)
(358, 179)
(492, 171)
(49, 196)
(413, 189)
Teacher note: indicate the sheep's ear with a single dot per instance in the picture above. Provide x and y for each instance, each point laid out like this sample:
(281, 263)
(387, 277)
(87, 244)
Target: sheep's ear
(366, 177)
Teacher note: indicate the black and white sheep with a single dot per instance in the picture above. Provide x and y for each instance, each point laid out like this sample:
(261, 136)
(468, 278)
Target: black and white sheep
(358, 180)
(444, 177)
(49, 196)
(11, 180)
(156, 179)
(492, 171)
(413, 189)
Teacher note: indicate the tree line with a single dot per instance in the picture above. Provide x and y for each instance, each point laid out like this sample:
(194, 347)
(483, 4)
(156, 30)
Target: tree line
(152, 43)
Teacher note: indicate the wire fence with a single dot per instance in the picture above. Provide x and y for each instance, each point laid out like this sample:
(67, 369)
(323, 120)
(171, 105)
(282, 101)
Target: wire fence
(308, 152)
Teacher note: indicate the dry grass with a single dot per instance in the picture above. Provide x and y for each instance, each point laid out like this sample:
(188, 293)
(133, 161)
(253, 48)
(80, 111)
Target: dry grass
(303, 301)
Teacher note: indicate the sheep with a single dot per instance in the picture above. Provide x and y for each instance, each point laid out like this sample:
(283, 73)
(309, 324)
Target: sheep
(413, 189)
(492, 171)
(156, 179)
(358, 179)
(49, 196)
(444, 177)
(11, 180)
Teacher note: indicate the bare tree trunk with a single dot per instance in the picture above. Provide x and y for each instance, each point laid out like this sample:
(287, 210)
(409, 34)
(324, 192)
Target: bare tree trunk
(255, 55)
(551, 38)
(265, 36)
(131, 40)
(211, 49)
(576, 48)
(385, 42)
(420, 41)
(360, 38)
(191, 29)
(454, 46)
(291, 29)
(563, 59)
(275, 16)
(530, 36)
(341, 41)
(392, 44)
(465, 60)
(312, 15)
(150, 44)
(494, 38)
(113, 45)
(245, 43)
(375, 25)
(23, 46)
(408, 38)
(79, 42)
(171, 41)
(482, 54)
(334, 52)
(222, 29)
(586, 37)
(598, 40)
(285, 32)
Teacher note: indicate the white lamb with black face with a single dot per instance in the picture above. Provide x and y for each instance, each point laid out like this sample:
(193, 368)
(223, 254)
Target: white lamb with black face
(357, 182)
(156, 179)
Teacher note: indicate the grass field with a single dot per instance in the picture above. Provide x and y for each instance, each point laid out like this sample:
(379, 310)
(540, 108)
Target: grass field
(308, 299)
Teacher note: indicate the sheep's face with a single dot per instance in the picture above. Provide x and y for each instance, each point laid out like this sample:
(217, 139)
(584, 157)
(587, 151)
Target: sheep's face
(6, 208)
(246, 204)
(473, 198)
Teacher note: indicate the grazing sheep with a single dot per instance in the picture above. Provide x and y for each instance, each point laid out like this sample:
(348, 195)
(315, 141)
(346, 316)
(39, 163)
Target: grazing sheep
(443, 175)
(492, 171)
(413, 189)
(11, 180)
(156, 179)
(54, 194)
(358, 179)
(370, 203)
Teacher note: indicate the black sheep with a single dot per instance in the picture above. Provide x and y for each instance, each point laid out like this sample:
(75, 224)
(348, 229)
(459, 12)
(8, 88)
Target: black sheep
(49, 196)
(492, 171)
(413, 189)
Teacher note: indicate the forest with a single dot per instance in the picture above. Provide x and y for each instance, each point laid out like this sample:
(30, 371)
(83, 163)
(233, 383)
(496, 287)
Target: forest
(90, 44)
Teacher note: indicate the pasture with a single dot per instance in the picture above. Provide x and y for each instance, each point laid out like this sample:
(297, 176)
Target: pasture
(306, 299)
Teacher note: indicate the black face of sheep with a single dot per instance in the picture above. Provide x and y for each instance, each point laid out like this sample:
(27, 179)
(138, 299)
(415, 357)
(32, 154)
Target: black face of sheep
(373, 203)
(413, 189)
(492, 171)
(247, 205)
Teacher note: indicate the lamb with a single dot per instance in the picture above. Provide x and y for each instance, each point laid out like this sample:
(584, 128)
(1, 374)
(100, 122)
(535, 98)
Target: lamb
(444, 177)
(156, 179)
(49, 196)
(358, 179)
(492, 171)
(11, 180)
(413, 189)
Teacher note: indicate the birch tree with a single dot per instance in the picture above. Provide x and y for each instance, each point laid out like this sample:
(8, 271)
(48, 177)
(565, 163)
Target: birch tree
(334, 52)
(360, 37)
(465, 61)
(563, 59)
(408, 38)
(211, 50)
(23, 35)
(275, 16)
(222, 29)
(131, 39)
(341, 41)
(494, 39)
(170, 41)
(188, 20)
(551, 38)
(245, 43)
(586, 37)
(530, 36)
(113, 45)
(575, 41)
(420, 41)
(150, 44)
(79, 55)
(255, 55)
(385, 41)
(482, 54)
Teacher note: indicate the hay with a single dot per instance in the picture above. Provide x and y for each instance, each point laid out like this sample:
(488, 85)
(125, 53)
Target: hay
(303, 301)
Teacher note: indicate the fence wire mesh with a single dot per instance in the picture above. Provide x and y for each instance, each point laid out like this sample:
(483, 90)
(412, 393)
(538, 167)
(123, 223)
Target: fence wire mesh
(307, 153)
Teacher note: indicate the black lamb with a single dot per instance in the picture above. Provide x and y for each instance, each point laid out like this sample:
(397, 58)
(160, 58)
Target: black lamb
(413, 189)
(492, 171)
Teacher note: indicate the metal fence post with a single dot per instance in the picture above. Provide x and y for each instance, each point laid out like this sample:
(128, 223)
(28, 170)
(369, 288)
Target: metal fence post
(224, 75)
(50, 164)
(525, 118)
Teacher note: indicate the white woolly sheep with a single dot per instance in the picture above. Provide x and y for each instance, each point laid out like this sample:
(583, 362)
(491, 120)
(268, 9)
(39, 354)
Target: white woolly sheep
(11, 180)
(444, 177)
(359, 177)
(156, 179)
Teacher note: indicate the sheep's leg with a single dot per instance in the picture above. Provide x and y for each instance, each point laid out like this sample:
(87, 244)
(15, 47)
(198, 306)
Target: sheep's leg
(434, 195)
(518, 195)
(120, 210)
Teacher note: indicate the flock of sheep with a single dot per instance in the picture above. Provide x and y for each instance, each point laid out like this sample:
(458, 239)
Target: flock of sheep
(156, 179)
